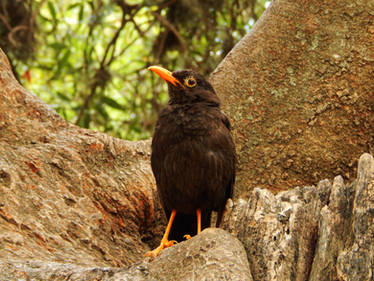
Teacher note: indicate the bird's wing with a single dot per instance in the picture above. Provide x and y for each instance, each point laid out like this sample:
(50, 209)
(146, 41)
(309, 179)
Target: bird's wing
(226, 121)
(230, 185)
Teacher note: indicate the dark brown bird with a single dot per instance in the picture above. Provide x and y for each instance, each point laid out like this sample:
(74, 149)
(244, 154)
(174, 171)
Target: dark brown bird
(193, 156)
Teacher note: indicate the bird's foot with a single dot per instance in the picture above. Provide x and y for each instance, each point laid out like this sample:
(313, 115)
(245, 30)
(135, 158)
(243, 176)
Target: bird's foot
(187, 237)
(164, 244)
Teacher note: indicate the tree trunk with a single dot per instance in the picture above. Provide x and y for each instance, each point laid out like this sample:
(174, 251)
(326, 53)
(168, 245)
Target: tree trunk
(299, 88)
(66, 193)
(315, 233)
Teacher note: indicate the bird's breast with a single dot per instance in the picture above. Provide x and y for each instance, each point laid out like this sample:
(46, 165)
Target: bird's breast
(187, 121)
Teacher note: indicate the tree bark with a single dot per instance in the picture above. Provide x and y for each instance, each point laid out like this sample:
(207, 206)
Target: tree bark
(70, 194)
(299, 88)
(212, 255)
(315, 233)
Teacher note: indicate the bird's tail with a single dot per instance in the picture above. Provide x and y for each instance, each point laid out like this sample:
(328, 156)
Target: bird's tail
(187, 224)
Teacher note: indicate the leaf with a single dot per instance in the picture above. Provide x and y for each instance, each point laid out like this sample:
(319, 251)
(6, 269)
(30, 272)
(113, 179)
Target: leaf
(72, 6)
(112, 103)
(52, 10)
(57, 45)
(80, 15)
(44, 18)
(64, 59)
(100, 109)
(60, 65)
(63, 96)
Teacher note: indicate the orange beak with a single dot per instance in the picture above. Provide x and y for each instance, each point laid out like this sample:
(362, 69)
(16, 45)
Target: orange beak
(165, 74)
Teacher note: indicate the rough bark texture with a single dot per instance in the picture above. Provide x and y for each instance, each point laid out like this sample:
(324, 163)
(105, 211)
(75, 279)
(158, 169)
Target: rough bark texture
(214, 255)
(315, 233)
(69, 194)
(299, 88)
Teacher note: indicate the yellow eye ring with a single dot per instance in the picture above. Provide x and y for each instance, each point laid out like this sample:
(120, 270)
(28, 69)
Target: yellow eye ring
(190, 82)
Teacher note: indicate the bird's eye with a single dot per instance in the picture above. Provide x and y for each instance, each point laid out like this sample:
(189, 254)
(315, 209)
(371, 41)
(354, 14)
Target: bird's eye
(190, 82)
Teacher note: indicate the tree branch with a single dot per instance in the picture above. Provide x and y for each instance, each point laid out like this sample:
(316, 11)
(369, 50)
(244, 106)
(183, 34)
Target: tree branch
(171, 27)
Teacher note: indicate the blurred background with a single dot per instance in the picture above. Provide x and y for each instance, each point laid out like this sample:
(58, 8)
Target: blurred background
(88, 59)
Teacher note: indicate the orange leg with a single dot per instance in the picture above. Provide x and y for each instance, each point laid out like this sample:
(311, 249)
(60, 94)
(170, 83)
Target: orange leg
(164, 241)
(198, 214)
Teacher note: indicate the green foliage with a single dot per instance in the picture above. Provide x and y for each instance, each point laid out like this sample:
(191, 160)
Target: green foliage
(90, 57)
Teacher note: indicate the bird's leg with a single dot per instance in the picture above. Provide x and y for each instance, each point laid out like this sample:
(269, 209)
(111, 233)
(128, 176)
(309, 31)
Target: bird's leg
(164, 241)
(198, 214)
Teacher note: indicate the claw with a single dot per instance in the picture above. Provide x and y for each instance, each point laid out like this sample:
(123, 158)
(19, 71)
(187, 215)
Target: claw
(187, 237)
(164, 241)
(164, 244)
(171, 243)
(198, 213)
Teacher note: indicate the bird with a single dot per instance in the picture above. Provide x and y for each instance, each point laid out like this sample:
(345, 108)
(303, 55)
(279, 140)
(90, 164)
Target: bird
(193, 156)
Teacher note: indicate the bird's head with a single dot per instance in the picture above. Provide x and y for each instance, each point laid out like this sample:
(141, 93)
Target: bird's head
(186, 86)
